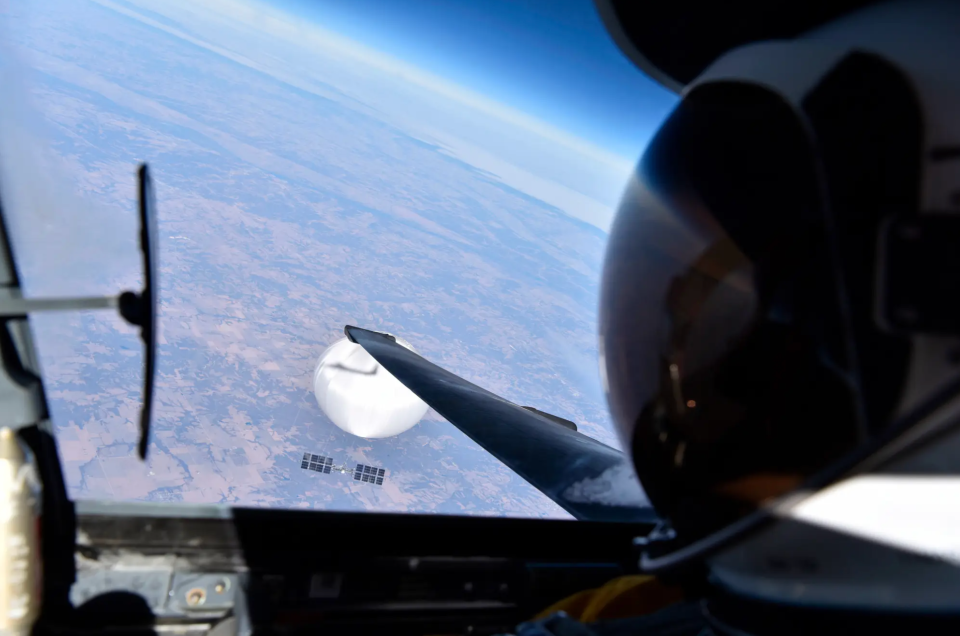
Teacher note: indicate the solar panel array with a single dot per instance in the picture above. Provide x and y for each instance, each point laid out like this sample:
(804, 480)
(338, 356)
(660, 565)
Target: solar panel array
(368, 474)
(318, 463)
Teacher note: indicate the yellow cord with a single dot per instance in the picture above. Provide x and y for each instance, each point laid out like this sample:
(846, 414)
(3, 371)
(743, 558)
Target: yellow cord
(622, 597)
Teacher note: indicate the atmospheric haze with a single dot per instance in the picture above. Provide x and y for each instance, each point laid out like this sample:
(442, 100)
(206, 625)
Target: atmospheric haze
(303, 182)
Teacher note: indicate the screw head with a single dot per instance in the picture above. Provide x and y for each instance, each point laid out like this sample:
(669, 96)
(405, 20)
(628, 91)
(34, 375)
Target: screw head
(196, 596)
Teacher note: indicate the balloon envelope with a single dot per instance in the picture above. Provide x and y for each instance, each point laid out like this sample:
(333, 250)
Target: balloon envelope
(360, 396)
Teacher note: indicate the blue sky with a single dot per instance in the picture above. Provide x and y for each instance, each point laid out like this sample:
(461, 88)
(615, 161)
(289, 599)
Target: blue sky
(549, 58)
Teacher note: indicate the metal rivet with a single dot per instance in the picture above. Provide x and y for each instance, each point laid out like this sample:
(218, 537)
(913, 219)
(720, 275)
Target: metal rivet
(196, 596)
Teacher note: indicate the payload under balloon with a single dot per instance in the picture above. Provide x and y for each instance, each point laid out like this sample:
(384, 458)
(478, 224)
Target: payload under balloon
(360, 396)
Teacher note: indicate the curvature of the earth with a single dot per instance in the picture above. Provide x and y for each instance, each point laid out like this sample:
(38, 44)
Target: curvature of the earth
(301, 187)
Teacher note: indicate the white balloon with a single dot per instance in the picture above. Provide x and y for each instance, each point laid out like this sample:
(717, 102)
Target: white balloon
(360, 396)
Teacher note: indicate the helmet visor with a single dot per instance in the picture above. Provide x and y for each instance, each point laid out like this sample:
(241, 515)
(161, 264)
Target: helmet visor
(719, 320)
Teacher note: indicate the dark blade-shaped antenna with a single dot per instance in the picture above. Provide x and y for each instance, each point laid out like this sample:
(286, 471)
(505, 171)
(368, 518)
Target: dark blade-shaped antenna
(141, 309)
(588, 479)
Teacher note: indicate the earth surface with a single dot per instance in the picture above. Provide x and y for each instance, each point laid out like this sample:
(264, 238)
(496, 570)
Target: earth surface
(303, 183)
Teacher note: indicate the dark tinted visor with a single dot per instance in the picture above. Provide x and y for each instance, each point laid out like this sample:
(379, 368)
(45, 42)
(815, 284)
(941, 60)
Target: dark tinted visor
(720, 321)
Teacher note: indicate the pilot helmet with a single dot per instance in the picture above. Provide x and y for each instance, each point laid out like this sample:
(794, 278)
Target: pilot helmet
(780, 313)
